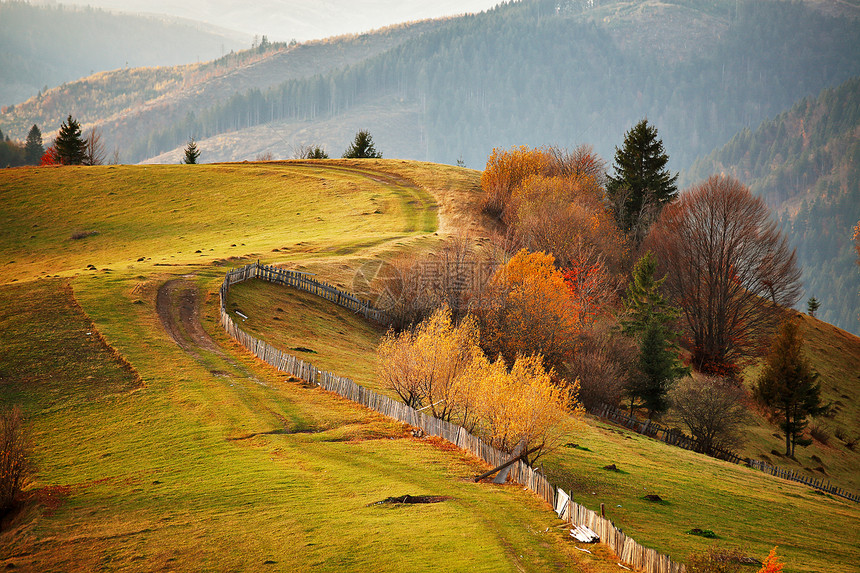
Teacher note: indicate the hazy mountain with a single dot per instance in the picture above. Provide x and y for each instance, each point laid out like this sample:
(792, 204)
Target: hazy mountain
(806, 164)
(284, 20)
(42, 47)
(565, 73)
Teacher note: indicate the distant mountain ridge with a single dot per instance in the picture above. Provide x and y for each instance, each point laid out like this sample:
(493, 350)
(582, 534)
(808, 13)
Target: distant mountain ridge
(531, 72)
(46, 46)
(805, 163)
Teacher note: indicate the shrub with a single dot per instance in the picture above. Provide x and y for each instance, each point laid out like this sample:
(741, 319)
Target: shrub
(14, 462)
(771, 564)
(820, 433)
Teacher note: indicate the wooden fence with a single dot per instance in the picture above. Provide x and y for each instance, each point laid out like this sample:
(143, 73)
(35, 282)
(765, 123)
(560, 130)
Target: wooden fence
(630, 552)
(677, 438)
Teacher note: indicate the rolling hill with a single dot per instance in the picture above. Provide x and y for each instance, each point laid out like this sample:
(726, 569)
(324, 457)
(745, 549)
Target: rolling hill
(160, 443)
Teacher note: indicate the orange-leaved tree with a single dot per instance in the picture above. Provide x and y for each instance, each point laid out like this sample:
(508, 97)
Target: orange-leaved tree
(771, 564)
(505, 169)
(530, 310)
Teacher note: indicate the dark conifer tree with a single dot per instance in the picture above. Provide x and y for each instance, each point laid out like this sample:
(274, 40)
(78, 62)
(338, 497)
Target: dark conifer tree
(788, 385)
(33, 148)
(71, 149)
(362, 147)
(192, 153)
(642, 185)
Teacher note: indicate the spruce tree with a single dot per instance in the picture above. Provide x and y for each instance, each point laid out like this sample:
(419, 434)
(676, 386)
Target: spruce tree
(787, 384)
(33, 148)
(70, 147)
(659, 369)
(642, 185)
(649, 317)
(192, 153)
(362, 147)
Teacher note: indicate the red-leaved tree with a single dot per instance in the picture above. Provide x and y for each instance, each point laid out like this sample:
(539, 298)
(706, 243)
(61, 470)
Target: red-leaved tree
(729, 269)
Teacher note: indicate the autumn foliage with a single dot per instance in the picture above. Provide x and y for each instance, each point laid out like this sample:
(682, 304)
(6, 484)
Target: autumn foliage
(531, 310)
(439, 366)
(771, 564)
(729, 269)
(14, 463)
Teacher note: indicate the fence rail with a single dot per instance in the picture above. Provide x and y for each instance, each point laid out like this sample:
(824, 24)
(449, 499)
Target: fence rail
(677, 438)
(628, 550)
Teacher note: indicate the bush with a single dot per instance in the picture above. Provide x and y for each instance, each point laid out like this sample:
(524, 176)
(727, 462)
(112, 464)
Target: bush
(820, 433)
(14, 460)
(715, 559)
(602, 364)
(713, 410)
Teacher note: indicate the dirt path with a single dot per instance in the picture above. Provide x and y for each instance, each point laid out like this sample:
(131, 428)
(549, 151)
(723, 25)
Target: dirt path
(178, 307)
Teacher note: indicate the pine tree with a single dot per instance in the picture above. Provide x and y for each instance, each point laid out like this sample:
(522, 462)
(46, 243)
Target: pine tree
(362, 147)
(642, 185)
(659, 369)
(70, 147)
(192, 153)
(812, 306)
(787, 385)
(33, 148)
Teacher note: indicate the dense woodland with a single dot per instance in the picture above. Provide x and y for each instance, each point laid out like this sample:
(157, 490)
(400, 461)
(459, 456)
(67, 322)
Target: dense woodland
(70, 43)
(535, 73)
(807, 162)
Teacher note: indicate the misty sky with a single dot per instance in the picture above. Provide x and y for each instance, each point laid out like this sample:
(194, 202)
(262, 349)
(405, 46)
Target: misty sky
(283, 20)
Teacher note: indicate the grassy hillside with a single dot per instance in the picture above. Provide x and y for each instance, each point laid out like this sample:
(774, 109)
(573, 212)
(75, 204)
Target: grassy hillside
(745, 508)
(128, 105)
(197, 457)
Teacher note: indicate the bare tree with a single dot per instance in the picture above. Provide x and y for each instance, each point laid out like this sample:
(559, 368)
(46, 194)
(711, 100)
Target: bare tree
(713, 410)
(94, 152)
(602, 363)
(729, 269)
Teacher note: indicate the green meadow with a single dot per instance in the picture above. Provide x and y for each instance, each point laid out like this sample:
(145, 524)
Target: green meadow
(156, 456)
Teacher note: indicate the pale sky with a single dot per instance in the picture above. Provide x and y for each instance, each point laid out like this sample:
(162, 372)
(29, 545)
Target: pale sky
(283, 20)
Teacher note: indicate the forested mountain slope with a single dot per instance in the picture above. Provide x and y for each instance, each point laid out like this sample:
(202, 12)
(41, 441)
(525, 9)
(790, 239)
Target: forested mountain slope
(806, 164)
(128, 105)
(42, 47)
(541, 71)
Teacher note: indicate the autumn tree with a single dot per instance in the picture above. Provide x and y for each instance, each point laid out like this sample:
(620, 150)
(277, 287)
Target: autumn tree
(33, 148)
(523, 406)
(506, 169)
(566, 216)
(642, 185)
(604, 363)
(362, 147)
(787, 384)
(191, 153)
(427, 365)
(15, 466)
(70, 148)
(728, 268)
(713, 410)
(530, 310)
